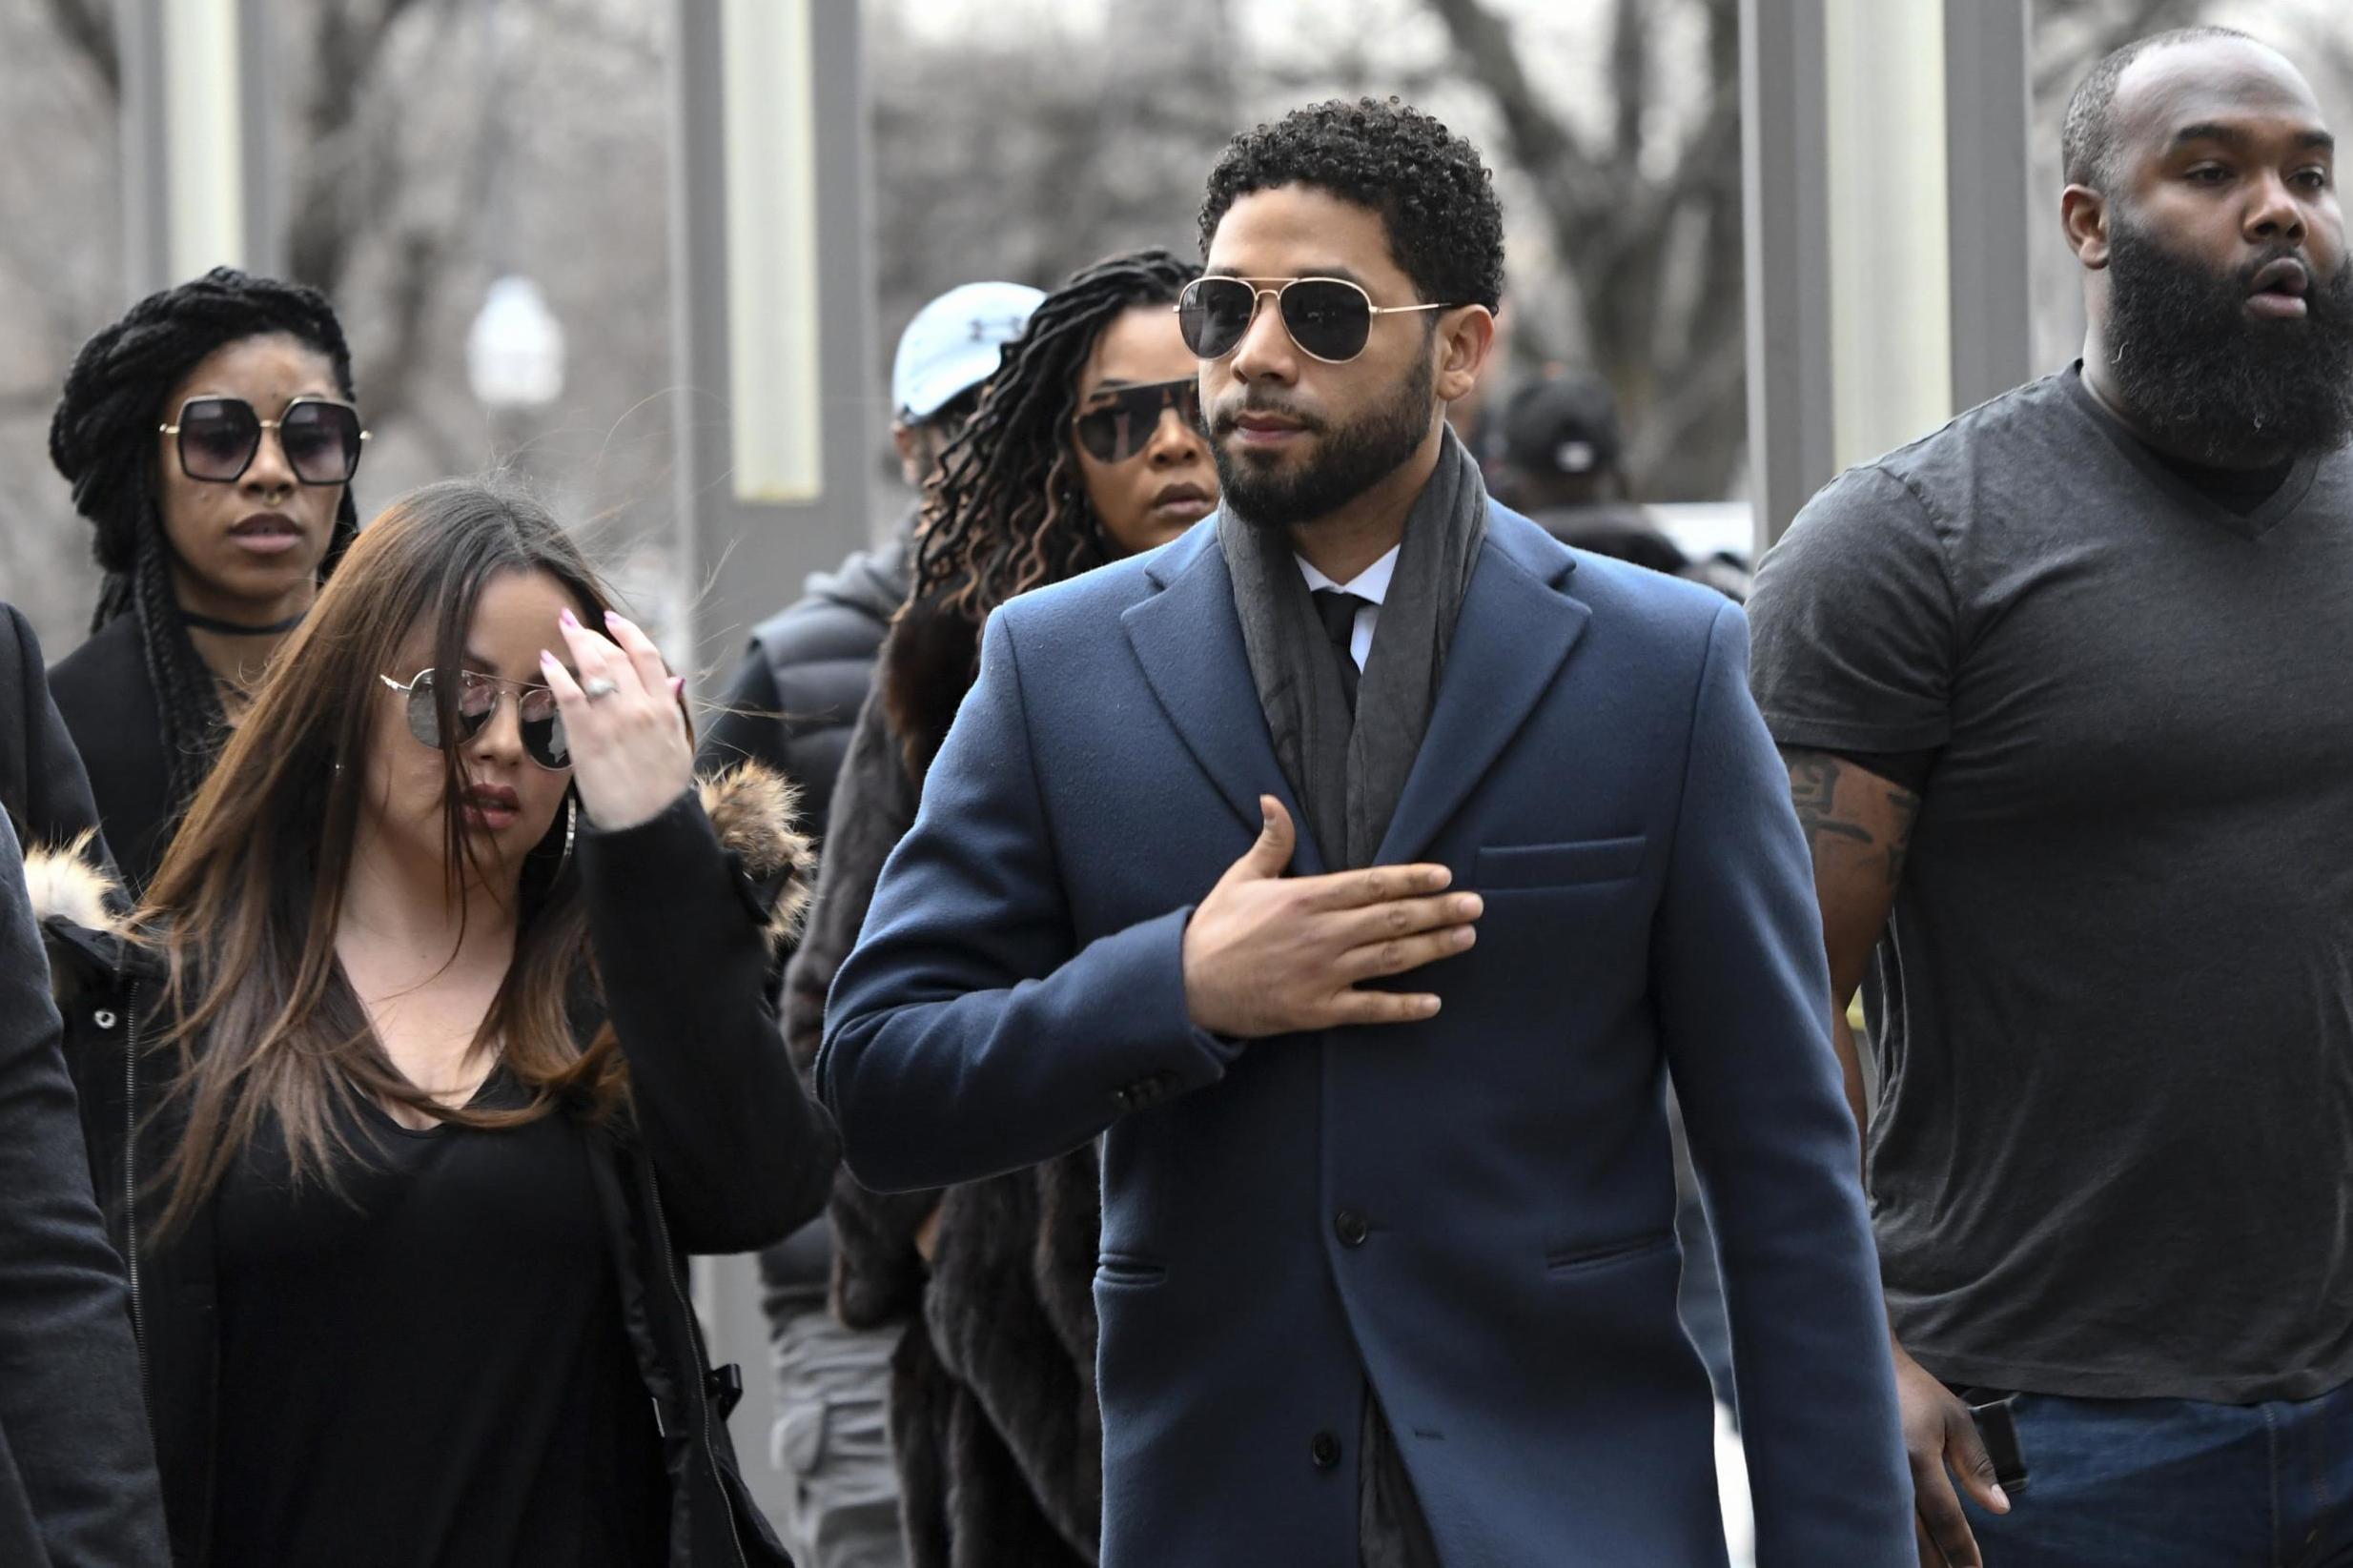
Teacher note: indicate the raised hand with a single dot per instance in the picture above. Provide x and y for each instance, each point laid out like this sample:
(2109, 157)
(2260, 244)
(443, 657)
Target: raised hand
(630, 757)
(1270, 954)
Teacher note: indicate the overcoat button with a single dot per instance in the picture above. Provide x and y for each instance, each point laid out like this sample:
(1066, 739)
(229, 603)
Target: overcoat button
(1351, 1227)
(1324, 1449)
(104, 1019)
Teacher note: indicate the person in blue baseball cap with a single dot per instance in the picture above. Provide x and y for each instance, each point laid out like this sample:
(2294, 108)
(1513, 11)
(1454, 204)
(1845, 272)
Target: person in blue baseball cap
(791, 703)
(945, 354)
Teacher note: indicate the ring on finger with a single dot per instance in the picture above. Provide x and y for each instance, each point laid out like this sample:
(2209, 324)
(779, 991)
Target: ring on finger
(597, 687)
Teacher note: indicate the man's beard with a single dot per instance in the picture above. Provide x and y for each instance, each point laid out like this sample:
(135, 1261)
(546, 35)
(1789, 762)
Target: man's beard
(2206, 379)
(1355, 457)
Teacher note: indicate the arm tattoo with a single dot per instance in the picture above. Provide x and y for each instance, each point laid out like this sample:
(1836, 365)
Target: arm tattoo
(1907, 807)
(1813, 785)
(1814, 781)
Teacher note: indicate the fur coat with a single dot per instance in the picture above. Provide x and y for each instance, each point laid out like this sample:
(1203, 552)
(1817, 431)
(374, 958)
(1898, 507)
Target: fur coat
(993, 1411)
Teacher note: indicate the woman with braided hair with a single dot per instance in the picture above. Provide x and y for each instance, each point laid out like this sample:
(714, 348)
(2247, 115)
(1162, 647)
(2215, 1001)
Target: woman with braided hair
(1085, 449)
(210, 437)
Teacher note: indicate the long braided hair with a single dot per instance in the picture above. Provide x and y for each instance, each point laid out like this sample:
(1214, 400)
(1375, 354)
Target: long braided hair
(1008, 511)
(102, 438)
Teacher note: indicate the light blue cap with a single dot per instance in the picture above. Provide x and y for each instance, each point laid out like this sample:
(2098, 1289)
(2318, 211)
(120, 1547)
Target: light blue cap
(953, 344)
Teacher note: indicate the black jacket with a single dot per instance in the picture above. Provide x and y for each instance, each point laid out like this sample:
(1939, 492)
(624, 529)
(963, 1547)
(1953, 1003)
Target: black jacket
(107, 699)
(77, 1473)
(790, 705)
(43, 789)
(793, 699)
(723, 1151)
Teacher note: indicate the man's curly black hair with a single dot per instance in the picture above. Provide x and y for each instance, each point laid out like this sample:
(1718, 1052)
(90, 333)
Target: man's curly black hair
(1436, 198)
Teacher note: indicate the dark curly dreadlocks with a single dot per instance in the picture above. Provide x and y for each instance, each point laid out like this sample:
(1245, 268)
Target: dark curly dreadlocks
(1008, 511)
(102, 438)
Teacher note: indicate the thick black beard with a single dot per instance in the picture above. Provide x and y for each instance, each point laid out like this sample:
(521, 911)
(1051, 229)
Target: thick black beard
(1355, 457)
(2205, 379)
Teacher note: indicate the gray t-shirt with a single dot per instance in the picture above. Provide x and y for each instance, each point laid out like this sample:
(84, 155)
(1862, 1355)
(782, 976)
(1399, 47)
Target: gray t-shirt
(2112, 1152)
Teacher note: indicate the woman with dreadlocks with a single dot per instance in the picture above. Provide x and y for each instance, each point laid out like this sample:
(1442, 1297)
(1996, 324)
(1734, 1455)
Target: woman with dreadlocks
(210, 437)
(1085, 449)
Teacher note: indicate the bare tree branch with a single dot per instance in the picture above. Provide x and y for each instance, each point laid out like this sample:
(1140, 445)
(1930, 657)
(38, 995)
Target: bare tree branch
(418, 259)
(2111, 24)
(1675, 357)
(1541, 141)
(88, 26)
(1629, 78)
(347, 173)
(1675, 420)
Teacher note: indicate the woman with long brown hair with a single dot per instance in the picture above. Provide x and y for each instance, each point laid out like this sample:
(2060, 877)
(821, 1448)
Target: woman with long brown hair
(1085, 449)
(443, 1035)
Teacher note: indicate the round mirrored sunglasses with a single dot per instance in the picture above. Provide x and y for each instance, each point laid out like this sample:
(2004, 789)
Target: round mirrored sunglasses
(478, 696)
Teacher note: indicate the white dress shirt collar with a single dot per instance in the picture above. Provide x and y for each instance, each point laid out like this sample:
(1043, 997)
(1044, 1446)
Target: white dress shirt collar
(1371, 584)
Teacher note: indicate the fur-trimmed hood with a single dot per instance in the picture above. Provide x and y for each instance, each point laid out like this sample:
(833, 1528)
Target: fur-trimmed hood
(79, 901)
(72, 882)
(751, 809)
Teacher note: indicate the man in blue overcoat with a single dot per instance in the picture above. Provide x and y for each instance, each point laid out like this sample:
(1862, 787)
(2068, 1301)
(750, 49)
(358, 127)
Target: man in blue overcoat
(1360, 869)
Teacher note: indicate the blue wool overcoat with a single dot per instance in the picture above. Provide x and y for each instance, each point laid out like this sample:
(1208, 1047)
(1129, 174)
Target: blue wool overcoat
(1475, 1213)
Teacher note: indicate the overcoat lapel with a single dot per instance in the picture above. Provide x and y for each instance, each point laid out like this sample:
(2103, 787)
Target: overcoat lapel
(1189, 640)
(1517, 626)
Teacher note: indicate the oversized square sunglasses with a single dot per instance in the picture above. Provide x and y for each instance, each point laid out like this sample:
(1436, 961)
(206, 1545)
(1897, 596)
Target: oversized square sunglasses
(1330, 318)
(219, 436)
(479, 695)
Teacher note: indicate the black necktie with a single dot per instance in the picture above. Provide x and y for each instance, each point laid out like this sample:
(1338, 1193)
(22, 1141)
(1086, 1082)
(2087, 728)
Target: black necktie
(1338, 608)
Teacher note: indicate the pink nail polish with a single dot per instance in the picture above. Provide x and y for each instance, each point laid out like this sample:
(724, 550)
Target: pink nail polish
(677, 684)
(567, 616)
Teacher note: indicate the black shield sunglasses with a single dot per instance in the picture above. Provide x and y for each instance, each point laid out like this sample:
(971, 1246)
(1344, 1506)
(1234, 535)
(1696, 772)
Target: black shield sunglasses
(1330, 318)
(220, 438)
(1122, 424)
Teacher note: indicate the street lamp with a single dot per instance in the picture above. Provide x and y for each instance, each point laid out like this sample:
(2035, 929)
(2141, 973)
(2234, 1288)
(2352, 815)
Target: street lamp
(513, 351)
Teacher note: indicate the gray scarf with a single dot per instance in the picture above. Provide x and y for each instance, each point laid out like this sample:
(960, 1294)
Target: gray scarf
(1348, 774)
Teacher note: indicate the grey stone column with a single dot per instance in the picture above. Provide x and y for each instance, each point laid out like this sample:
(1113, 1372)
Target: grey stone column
(752, 524)
(203, 171)
(1884, 177)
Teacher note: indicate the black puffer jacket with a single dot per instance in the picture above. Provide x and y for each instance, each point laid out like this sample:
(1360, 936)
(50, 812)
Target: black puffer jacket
(790, 705)
(792, 701)
(724, 1151)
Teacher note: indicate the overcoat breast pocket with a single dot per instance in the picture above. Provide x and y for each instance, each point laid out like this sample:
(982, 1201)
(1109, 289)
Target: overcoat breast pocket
(1527, 867)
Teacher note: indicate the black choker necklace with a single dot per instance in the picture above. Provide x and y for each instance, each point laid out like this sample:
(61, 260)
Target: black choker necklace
(232, 628)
